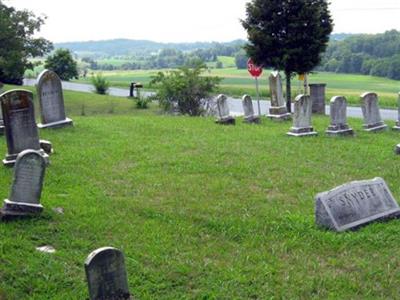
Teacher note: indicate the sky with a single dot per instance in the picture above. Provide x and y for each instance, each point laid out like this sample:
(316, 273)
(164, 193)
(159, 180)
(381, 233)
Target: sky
(184, 20)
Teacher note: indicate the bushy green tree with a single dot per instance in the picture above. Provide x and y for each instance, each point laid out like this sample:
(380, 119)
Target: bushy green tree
(17, 44)
(287, 35)
(185, 88)
(63, 64)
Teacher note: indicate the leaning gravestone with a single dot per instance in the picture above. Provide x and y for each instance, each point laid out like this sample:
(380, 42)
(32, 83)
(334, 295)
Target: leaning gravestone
(51, 101)
(20, 127)
(27, 185)
(278, 109)
(397, 126)
(106, 275)
(338, 112)
(354, 204)
(223, 112)
(372, 116)
(302, 117)
(249, 116)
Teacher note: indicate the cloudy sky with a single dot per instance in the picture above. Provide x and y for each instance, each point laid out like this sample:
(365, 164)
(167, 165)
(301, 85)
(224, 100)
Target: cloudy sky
(185, 20)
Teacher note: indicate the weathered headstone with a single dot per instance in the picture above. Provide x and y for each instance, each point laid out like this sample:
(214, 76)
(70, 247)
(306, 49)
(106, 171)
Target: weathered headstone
(249, 116)
(355, 204)
(397, 126)
(51, 100)
(27, 185)
(278, 109)
(302, 117)
(372, 116)
(223, 112)
(20, 127)
(317, 95)
(338, 112)
(106, 275)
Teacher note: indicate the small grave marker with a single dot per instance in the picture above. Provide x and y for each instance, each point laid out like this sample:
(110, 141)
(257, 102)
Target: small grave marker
(224, 117)
(372, 116)
(338, 113)
(249, 116)
(302, 117)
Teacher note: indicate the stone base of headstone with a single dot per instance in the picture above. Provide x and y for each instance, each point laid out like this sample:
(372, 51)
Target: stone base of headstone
(10, 159)
(1, 130)
(375, 127)
(226, 121)
(46, 146)
(397, 126)
(339, 131)
(279, 114)
(58, 124)
(15, 209)
(252, 120)
(397, 149)
(300, 132)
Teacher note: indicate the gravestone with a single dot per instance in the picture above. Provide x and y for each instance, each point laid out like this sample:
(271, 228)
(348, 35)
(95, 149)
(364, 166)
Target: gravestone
(20, 127)
(355, 204)
(223, 112)
(302, 117)
(106, 275)
(317, 95)
(27, 185)
(51, 100)
(249, 116)
(397, 126)
(338, 113)
(278, 109)
(372, 116)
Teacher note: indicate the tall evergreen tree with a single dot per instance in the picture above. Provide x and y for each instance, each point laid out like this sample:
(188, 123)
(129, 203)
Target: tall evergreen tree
(287, 35)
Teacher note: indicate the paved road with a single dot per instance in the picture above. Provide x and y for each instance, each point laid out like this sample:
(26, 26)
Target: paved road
(235, 105)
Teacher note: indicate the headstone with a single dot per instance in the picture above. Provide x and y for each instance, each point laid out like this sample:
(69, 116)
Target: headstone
(20, 127)
(317, 95)
(355, 204)
(338, 112)
(397, 126)
(223, 111)
(106, 275)
(302, 117)
(278, 109)
(27, 185)
(51, 100)
(249, 116)
(372, 116)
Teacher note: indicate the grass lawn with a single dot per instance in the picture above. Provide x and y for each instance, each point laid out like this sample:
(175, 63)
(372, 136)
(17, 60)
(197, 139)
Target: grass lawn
(201, 211)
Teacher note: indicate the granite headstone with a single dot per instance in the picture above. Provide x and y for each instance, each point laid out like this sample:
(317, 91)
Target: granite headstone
(106, 275)
(355, 204)
(20, 127)
(249, 116)
(51, 100)
(317, 95)
(338, 113)
(278, 109)
(372, 116)
(26, 189)
(223, 111)
(302, 117)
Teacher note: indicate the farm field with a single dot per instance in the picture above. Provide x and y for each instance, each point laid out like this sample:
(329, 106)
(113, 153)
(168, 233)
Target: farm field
(200, 211)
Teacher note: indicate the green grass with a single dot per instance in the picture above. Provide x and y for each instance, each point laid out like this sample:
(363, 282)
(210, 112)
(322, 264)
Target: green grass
(201, 211)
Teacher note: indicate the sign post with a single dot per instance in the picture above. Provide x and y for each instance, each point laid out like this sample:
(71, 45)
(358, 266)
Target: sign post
(256, 72)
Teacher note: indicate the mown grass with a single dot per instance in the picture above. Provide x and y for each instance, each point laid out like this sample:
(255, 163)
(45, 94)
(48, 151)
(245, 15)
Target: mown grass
(201, 211)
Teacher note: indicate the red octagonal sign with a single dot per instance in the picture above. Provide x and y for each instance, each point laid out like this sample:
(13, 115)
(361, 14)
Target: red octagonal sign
(253, 69)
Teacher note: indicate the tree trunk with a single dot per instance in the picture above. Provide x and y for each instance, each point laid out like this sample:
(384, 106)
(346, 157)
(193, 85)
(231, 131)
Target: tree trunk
(288, 92)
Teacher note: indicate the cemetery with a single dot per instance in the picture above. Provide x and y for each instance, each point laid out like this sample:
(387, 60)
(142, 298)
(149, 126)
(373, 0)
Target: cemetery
(105, 200)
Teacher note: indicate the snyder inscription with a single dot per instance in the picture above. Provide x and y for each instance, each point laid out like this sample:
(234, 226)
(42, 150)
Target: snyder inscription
(355, 204)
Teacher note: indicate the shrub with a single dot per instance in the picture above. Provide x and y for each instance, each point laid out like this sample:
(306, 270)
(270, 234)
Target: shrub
(185, 89)
(100, 84)
(142, 103)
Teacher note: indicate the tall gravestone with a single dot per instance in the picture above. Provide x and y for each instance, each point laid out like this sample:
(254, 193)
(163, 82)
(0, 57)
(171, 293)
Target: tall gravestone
(338, 113)
(302, 117)
(278, 109)
(249, 116)
(372, 116)
(106, 275)
(355, 204)
(317, 95)
(20, 127)
(26, 189)
(223, 111)
(51, 100)
(397, 126)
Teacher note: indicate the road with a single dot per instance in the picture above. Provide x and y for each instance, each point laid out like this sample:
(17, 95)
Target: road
(235, 105)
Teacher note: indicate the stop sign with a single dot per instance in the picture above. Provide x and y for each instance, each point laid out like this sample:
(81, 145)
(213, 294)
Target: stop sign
(253, 69)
